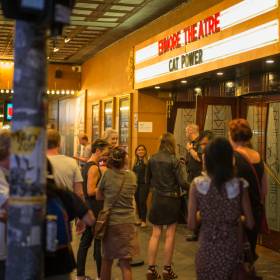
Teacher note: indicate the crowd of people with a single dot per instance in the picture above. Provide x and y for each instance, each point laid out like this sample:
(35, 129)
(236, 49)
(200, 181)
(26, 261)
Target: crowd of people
(221, 180)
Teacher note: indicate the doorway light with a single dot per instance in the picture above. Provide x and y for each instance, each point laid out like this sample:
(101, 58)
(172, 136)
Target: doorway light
(184, 81)
(269, 61)
(220, 73)
(157, 87)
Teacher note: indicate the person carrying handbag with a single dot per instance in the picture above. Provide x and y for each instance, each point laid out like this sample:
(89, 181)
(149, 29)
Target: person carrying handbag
(117, 187)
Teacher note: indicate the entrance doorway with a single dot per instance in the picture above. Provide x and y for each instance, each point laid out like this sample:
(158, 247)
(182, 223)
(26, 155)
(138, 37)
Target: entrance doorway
(263, 113)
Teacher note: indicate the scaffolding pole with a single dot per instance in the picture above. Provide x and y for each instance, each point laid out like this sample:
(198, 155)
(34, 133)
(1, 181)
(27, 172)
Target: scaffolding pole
(27, 162)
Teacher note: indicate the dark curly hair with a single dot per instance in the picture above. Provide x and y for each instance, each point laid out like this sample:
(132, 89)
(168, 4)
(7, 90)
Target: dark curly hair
(117, 158)
(240, 130)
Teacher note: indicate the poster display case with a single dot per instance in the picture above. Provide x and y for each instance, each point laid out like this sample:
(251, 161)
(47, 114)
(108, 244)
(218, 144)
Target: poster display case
(124, 113)
(95, 121)
(108, 114)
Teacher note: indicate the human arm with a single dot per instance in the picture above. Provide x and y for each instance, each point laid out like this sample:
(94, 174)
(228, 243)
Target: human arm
(247, 210)
(194, 154)
(192, 208)
(100, 189)
(92, 180)
(181, 174)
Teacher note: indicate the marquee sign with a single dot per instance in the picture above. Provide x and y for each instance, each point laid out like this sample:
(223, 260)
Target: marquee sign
(251, 39)
(257, 37)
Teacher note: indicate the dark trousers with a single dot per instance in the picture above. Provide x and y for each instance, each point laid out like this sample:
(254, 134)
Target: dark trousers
(2, 270)
(141, 196)
(252, 236)
(85, 243)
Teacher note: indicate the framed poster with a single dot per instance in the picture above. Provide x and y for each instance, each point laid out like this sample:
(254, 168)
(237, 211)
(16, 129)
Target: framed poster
(108, 114)
(95, 121)
(124, 112)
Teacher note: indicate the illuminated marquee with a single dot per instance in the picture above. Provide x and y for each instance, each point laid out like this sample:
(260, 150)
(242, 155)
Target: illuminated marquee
(253, 38)
(238, 13)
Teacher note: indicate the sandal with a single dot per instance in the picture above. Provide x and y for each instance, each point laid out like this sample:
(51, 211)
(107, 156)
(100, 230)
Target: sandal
(168, 273)
(152, 273)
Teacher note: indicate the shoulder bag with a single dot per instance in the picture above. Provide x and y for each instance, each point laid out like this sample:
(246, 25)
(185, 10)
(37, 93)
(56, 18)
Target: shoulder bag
(101, 224)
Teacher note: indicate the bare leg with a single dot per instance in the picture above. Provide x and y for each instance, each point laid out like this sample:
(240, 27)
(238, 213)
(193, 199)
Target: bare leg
(106, 269)
(126, 269)
(153, 244)
(169, 244)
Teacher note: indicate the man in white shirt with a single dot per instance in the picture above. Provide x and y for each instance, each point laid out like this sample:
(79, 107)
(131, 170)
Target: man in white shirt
(67, 173)
(84, 151)
(5, 138)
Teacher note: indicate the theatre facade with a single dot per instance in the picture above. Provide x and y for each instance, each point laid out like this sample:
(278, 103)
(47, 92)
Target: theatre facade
(205, 63)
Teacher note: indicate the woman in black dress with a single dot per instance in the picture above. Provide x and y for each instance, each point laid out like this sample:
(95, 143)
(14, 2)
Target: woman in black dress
(141, 195)
(250, 167)
(166, 176)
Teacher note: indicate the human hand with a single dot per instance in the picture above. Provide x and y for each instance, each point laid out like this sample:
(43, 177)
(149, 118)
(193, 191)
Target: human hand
(189, 146)
(89, 218)
(80, 226)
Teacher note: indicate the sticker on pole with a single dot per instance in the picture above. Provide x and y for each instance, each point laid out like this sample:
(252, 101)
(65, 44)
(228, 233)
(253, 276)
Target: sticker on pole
(24, 141)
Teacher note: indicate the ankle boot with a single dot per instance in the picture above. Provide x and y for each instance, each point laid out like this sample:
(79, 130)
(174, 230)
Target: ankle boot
(152, 273)
(168, 273)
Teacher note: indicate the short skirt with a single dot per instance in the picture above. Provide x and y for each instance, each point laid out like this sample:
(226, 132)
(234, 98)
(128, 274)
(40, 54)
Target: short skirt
(120, 242)
(164, 210)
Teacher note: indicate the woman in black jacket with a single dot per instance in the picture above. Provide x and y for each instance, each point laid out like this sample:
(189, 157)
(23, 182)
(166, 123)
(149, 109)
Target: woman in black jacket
(167, 177)
(141, 195)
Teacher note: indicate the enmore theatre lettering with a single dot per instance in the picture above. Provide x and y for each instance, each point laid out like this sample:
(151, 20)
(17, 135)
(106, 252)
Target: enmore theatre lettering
(251, 39)
(188, 33)
(192, 33)
(186, 60)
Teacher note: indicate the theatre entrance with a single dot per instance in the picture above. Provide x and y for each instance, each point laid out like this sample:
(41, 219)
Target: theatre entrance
(262, 110)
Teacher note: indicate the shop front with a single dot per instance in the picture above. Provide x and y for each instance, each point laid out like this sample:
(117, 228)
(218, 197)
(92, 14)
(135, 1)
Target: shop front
(216, 66)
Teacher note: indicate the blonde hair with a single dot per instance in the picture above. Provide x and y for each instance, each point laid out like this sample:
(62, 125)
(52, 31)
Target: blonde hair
(108, 133)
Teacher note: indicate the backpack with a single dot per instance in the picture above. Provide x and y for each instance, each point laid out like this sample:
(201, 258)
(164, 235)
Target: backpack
(56, 208)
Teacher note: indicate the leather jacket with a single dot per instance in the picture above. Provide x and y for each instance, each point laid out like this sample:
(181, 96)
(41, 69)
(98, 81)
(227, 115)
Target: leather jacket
(166, 174)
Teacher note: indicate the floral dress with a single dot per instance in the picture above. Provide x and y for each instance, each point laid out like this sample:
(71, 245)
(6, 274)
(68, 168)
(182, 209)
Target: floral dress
(220, 211)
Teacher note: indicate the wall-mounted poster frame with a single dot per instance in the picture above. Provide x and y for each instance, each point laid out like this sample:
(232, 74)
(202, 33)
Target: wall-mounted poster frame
(95, 116)
(124, 121)
(108, 114)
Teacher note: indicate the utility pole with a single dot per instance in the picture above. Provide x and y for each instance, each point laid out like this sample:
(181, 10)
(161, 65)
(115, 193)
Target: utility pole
(26, 215)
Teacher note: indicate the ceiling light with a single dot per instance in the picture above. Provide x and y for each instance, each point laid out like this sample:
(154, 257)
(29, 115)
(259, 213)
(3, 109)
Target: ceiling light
(269, 61)
(72, 92)
(2, 91)
(55, 49)
(157, 87)
(66, 40)
(230, 84)
(7, 91)
(67, 91)
(184, 81)
(12, 91)
(197, 90)
(220, 73)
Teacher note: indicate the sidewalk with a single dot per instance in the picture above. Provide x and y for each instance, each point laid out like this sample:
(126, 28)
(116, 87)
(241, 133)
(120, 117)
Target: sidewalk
(268, 264)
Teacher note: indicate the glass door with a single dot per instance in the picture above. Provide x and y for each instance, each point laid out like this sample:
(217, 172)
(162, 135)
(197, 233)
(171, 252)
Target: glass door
(124, 113)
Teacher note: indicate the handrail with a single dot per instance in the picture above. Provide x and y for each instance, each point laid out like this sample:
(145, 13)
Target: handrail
(272, 174)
